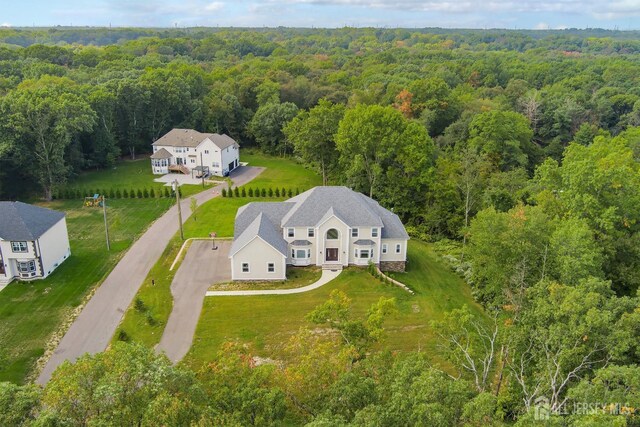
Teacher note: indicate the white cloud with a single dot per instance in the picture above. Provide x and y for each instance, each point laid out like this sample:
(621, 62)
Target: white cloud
(541, 26)
(5, 25)
(214, 7)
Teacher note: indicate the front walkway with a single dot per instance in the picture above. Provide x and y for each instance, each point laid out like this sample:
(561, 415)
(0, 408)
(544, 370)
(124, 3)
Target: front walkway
(93, 329)
(327, 276)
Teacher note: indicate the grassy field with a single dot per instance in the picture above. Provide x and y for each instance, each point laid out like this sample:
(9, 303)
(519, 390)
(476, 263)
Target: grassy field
(217, 215)
(126, 175)
(31, 312)
(265, 322)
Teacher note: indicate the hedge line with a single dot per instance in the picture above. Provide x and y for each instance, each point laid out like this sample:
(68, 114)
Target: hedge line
(259, 192)
(77, 193)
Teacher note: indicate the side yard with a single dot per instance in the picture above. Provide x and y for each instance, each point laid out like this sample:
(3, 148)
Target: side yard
(30, 313)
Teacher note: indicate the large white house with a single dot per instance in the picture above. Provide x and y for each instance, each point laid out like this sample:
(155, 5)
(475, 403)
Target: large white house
(187, 151)
(330, 227)
(33, 241)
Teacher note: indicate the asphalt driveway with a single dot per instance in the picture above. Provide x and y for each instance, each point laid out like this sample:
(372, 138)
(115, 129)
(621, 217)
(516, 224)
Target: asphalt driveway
(92, 330)
(200, 268)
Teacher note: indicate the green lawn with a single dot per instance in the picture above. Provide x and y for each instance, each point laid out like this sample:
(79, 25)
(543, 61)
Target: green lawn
(126, 175)
(265, 322)
(31, 312)
(280, 172)
(217, 215)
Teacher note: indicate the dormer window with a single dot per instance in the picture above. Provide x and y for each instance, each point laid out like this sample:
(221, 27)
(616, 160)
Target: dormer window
(290, 232)
(354, 232)
(374, 232)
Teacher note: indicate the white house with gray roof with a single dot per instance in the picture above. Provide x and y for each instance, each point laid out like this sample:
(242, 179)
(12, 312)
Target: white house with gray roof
(33, 241)
(187, 150)
(332, 227)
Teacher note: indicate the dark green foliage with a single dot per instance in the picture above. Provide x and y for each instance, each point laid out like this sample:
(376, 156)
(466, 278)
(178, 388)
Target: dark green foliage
(145, 193)
(270, 192)
(112, 194)
(230, 192)
(123, 336)
(224, 192)
(167, 193)
(250, 192)
(297, 191)
(125, 193)
(118, 194)
(139, 194)
(243, 192)
(290, 193)
(139, 305)
(277, 192)
(283, 192)
(236, 192)
(152, 193)
(263, 193)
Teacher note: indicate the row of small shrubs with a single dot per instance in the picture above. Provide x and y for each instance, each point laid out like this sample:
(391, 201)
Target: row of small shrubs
(259, 192)
(76, 193)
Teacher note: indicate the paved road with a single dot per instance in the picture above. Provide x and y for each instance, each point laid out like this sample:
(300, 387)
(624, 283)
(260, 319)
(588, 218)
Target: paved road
(92, 330)
(327, 276)
(200, 268)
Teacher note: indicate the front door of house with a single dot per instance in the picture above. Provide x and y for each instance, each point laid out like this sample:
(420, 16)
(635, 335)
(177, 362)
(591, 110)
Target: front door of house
(332, 254)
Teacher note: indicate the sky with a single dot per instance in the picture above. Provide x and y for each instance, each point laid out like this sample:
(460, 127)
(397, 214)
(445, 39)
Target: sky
(510, 14)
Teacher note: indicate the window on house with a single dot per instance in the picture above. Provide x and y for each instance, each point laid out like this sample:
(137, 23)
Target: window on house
(308, 253)
(364, 253)
(354, 232)
(206, 151)
(311, 232)
(27, 267)
(245, 267)
(291, 232)
(301, 253)
(374, 232)
(398, 248)
(193, 161)
(271, 267)
(216, 164)
(384, 248)
(19, 246)
(332, 234)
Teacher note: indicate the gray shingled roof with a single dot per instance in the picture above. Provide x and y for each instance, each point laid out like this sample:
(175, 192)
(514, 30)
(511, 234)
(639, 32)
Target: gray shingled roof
(192, 138)
(311, 208)
(301, 243)
(364, 242)
(346, 204)
(261, 227)
(161, 154)
(22, 222)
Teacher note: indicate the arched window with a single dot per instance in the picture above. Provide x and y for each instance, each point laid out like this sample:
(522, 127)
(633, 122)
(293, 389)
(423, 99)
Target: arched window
(332, 234)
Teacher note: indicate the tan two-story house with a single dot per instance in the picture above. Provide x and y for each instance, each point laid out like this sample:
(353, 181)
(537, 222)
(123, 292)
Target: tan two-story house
(332, 227)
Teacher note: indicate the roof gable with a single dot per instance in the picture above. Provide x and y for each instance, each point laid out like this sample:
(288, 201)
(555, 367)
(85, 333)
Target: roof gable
(261, 228)
(23, 222)
(193, 138)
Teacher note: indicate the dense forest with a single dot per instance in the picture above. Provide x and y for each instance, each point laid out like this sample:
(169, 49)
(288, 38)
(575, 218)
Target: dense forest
(516, 152)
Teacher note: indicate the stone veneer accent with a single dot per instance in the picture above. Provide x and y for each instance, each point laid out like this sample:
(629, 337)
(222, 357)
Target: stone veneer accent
(397, 266)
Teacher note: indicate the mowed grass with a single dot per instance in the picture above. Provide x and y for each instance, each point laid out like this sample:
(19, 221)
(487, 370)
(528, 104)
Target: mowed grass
(217, 215)
(31, 312)
(266, 322)
(127, 175)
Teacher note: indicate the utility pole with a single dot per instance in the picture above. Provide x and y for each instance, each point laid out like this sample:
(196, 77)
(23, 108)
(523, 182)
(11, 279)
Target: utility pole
(106, 226)
(202, 171)
(177, 190)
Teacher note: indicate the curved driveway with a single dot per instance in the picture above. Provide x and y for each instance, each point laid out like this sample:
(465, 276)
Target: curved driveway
(93, 329)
